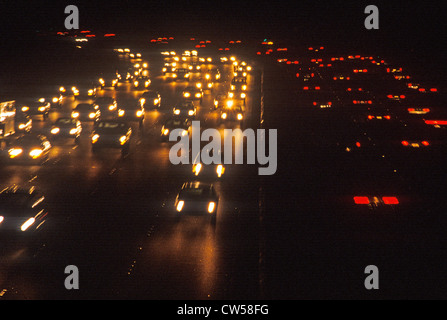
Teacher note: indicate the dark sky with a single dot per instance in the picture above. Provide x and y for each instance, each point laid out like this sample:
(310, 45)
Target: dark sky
(408, 24)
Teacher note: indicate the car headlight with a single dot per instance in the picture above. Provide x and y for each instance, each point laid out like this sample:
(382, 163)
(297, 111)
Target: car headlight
(220, 170)
(186, 94)
(165, 132)
(62, 89)
(248, 68)
(14, 152)
(91, 115)
(243, 95)
(112, 107)
(41, 109)
(142, 101)
(27, 224)
(95, 138)
(197, 168)
(186, 75)
(90, 92)
(244, 87)
(123, 140)
(101, 80)
(147, 83)
(156, 101)
(22, 126)
(55, 100)
(176, 111)
(135, 83)
(224, 115)
(35, 153)
(120, 113)
(239, 116)
(198, 85)
(174, 75)
(139, 113)
(232, 87)
(25, 109)
(180, 205)
(55, 130)
(75, 114)
(190, 112)
(73, 131)
(198, 95)
(211, 206)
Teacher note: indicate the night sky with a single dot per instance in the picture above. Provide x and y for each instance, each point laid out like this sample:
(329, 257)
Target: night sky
(405, 26)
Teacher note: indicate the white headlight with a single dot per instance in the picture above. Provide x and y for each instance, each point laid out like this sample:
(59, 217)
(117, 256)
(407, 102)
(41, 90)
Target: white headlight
(55, 130)
(27, 224)
(211, 206)
(35, 153)
(180, 205)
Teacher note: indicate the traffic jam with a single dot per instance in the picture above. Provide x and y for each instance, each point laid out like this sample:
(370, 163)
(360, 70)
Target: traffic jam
(365, 140)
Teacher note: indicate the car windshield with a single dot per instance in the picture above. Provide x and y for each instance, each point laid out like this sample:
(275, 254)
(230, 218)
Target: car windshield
(175, 123)
(84, 107)
(65, 121)
(111, 126)
(104, 100)
(28, 140)
(149, 94)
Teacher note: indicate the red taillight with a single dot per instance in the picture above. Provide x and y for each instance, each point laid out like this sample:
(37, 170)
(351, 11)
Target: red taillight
(335, 78)
(314, 103)
(434, 90)
(411, 110)
(361, 200)
(349, 89)
(425, 143)
(329, 103)
(426, 110)
(305, 88)
(317, 88)
(390, 200)
(370, 117)
(421, 90)
(405, 143)
(387, 117)
(436, 122)
(358, 144)
(390, 96)
(297, 75)
(370, 102)
(402, 96)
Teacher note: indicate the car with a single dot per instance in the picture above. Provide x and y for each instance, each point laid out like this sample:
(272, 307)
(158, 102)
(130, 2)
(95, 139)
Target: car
(131, 112)
(141, 82)
(22, 213)
(108, 80)
(124, 74)
(86, 112)
(192, 93)
(207, 171)
(175, 123)
(196, 197)
(22, 122)
(220, 100)
(185, 109)
(107, 106)
(84, 91)
(29, 148)
(181, 74)
(169, 68)
(36, 107)
(232, 112)
(205, 83)
(150, 99)
(111, 134)
(66, 127)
